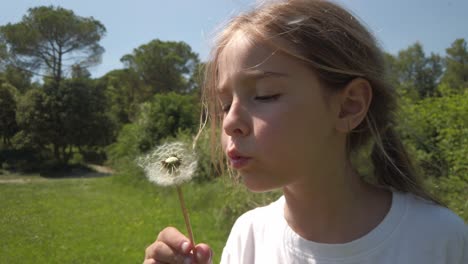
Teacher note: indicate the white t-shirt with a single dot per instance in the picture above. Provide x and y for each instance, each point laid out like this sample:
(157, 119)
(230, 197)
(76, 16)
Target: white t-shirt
(413, 231)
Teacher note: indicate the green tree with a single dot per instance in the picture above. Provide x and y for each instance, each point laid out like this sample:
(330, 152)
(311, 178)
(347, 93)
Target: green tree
(196, 79)
(3, 54)
(165, 116)
(436, 130)
(163, 65)
(33, 118)
(70, 116)
(456, 61)
(124, 92)
(8, 125)
(79, 72)
(415, 73)
(48, 38)
(18, 78)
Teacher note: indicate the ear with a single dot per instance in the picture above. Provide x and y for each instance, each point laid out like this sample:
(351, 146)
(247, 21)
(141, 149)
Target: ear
(355, 100)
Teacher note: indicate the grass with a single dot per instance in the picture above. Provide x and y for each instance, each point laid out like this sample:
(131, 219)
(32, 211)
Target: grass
(99, 220)
(108, 219)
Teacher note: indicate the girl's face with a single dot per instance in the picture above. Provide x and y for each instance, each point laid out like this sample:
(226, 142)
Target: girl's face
(278, 126)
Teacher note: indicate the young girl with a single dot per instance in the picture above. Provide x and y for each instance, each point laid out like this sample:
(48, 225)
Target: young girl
(298, 88)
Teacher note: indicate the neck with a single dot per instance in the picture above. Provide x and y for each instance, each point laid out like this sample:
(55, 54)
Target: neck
(338, 209)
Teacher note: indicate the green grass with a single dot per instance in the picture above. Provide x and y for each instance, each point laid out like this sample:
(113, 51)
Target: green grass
(108, 219)
(100, 220)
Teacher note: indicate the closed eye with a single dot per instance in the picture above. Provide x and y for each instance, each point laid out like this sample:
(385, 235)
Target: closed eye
(225, 108)
(267, 97)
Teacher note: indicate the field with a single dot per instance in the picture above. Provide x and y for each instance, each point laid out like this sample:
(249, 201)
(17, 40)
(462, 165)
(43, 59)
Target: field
(98, 219)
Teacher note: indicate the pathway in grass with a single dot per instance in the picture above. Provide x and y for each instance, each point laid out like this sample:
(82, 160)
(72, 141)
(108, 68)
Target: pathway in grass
(97, 220)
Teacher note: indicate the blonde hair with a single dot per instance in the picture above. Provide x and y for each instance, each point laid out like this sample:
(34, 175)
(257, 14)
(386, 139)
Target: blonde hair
(338, 48)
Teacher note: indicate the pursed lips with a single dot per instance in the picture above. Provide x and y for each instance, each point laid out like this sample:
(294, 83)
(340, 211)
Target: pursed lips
(236, 159)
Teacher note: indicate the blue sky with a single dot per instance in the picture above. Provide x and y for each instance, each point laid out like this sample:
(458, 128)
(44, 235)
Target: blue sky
(131, 23)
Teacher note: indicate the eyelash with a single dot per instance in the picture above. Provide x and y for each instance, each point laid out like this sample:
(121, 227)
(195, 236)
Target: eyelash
(267, 98)
(225, 108)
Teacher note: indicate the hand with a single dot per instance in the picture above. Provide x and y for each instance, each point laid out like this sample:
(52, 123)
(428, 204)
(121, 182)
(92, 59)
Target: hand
(171, 246)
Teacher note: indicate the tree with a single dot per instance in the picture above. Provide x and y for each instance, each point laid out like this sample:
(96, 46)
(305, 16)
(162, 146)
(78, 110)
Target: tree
(435, 129)
(456, 73)
(416, 72)
(33, 117)
(124, 92)
(164, 117)
(18, 78)
(163, 65)
(79, 72)
(72, 115)
(49, 40)
(3, 53)
(8, 125)
(87, 124)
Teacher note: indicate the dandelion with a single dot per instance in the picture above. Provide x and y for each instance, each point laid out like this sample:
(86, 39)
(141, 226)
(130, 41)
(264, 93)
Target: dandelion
(171, 164)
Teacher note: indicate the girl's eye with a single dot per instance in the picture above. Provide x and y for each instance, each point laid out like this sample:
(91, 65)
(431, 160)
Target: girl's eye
(225, 108)
(267, 97)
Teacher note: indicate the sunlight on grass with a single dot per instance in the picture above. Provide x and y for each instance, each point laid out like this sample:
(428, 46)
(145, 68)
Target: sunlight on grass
(98, 220)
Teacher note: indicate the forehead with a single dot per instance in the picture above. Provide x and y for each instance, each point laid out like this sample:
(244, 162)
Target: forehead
(243, 58)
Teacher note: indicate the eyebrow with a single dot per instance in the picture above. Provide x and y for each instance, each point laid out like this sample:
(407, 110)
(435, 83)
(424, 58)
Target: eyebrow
(254, 75)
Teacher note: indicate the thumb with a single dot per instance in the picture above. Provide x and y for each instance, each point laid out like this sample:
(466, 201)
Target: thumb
(203, 254)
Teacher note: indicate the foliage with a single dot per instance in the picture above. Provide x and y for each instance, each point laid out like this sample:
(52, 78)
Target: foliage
(414, 73)
(165, 66)
(165, 116)
(79, 72)
(8, 125)
(456, 73)
(47, 37)
(33, 115)
(124, 92)
(72, 115)
(86, 121)
(18, 78)
(155, 99)
(436, 129)
(123, 152)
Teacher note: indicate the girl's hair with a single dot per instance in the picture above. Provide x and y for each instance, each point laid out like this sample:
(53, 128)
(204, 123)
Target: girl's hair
(338, 48)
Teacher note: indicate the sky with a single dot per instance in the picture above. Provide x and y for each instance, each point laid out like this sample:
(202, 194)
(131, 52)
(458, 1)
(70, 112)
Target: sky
(131, 23)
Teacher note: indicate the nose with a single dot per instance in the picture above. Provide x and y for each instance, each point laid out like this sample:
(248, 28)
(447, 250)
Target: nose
(235, 122)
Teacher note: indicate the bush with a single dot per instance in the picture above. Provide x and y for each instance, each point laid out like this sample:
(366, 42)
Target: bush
(166, 117)
(436, 131)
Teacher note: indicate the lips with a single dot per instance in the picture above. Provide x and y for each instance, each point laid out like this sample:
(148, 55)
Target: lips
(237, 160)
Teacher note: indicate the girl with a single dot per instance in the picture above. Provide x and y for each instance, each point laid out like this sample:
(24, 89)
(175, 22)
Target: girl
(298, 88)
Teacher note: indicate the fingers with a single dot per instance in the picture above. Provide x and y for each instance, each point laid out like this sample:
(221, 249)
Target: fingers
(171, 246)
(161, 252)
(203, 254)
(176, 240)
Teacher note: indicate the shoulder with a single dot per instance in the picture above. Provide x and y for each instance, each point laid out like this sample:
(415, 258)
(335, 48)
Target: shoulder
(427, 215)
(427, 223)
(249, 230)
(260, 216)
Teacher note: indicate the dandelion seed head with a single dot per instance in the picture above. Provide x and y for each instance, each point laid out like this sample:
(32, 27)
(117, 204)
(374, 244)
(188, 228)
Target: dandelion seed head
(169, 164)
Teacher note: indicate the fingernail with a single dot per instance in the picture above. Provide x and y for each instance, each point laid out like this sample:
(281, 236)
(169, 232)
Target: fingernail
(185, 248)
(199, 255)
(187, 260)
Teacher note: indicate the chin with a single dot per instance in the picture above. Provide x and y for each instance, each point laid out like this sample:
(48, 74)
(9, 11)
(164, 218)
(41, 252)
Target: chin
(256, 185)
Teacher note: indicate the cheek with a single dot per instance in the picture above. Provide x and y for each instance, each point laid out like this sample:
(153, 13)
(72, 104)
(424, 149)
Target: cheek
(224, 140)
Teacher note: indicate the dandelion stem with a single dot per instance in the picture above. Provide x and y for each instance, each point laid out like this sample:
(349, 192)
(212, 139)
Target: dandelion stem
(186, 216)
